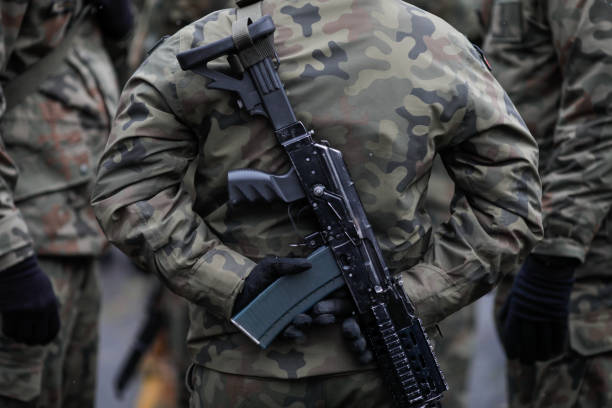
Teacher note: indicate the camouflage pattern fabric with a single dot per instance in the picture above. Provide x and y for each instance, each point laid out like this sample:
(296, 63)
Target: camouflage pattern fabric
(555, 58)
(49, 146)
(390, 86)
(52, 140)
(215, 389)
(63, 373)
(461, 14)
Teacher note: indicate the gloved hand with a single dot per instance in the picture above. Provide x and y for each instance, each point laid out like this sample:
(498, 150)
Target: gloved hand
(264, 274)
(114, 17)
(28, 304)
(337, 307)
(534, 317)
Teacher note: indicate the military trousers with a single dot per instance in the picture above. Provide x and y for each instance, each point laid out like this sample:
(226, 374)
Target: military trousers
(210, 388)
(568, 381)
(63, 373)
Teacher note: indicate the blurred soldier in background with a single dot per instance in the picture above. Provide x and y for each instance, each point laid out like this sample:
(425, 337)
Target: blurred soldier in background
(58, 95)
(555, 59)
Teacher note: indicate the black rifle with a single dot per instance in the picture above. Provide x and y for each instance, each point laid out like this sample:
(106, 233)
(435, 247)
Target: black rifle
(319, 174)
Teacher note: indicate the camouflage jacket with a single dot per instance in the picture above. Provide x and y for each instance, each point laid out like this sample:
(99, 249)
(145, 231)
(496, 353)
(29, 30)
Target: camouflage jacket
(555, 59)
(461, 14)
(50, 142)
(389, 85)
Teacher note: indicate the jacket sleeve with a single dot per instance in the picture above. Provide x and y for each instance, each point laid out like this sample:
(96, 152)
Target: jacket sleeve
(15, 241)
(144, 206)
(496, 209)
(577, 177)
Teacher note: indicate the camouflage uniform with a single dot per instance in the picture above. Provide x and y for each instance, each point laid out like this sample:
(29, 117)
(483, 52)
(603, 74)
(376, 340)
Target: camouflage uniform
(361, 73)
(52, 140)
(456, 348)
(555, 59)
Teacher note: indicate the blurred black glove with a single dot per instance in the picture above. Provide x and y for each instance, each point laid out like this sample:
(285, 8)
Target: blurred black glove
(115, 17)
(264, 274)
(534, 317)
(337, 307)
(28, 304)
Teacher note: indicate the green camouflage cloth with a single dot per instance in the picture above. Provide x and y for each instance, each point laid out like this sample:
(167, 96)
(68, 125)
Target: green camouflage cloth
(49, 146)
(461, 14)
(62, 374)
(389, 85)
(555, 59)
(215, 389)
(52, 140)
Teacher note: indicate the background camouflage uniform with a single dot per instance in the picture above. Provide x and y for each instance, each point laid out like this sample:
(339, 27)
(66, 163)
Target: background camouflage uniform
(555, 59)
(52, 141)
(438, 97)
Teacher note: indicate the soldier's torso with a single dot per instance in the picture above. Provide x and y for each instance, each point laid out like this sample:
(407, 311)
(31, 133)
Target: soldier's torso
(390, 101)
(55, 135)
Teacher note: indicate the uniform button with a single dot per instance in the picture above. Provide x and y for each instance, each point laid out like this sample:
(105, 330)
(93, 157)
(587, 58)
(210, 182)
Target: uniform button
(84, 169)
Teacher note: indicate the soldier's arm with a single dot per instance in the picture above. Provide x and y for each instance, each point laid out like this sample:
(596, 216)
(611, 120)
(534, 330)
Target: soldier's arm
(142, 203)
(15, 242)
(577, 180)
(496, 209)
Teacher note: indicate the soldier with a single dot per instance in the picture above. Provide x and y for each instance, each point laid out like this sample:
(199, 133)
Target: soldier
(555, 59)
(58, 94)
(390, 86)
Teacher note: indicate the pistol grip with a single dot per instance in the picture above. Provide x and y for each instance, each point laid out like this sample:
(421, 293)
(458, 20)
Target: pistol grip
(252, 186)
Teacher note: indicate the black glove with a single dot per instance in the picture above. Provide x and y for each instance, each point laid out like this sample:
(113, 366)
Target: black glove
(264, 274)
(28, 304)
(534, 317)
(337, 307)
(114, 17)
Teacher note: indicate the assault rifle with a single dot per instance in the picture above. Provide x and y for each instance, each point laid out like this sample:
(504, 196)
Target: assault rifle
(348, 252)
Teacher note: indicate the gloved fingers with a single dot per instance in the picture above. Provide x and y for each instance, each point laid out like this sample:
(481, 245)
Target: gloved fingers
(302, 321)
(9, 325)
(529, 344)
(324, 319)
(510, 336)
(559, 334)
(340, 307)
(293, 333)
(503, 313)
(359, 345)
(289, 266)
(351, 329)
(366, 357)
(545, 342)
(52, 325)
